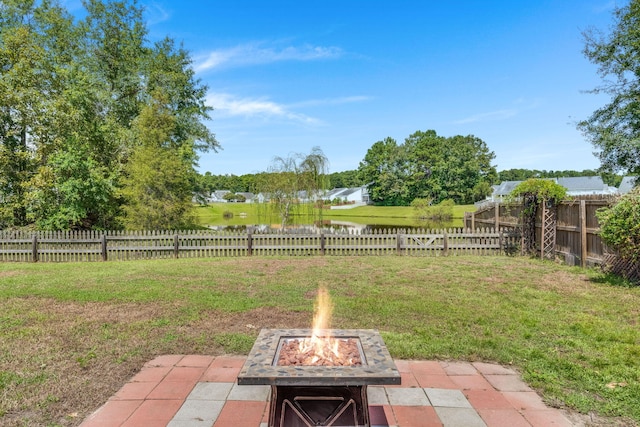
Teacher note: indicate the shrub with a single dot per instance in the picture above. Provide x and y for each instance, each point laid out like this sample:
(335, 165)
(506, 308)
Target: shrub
(441, 212)
(620, 225)
(541, 190)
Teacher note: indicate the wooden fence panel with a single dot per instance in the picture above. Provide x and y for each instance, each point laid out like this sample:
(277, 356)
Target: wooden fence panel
(577, 238)
(77, 246)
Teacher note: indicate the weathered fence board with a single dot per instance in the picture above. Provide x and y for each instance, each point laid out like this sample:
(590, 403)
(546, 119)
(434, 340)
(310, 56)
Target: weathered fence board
(577, 238)
(118, 245)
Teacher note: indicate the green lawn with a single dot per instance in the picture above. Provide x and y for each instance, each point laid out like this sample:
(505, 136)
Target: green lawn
(71, 334)
(249, 214)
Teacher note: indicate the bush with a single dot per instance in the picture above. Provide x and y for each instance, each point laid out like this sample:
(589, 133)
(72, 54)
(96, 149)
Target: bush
(620, 225)
(541, 189)
(442, 212)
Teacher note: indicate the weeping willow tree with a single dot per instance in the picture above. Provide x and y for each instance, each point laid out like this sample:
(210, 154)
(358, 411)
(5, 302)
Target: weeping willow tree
(293, 188)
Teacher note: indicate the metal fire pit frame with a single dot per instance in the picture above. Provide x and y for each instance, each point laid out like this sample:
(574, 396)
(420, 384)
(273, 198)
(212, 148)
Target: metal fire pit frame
(377, 368)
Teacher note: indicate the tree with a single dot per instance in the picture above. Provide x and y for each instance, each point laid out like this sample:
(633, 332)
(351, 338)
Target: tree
(385, 170)
(345, 179)
(71, 94)
(428, 166)
(457, 168)
(614, 129)
(295, 183)
(159, 177)
(23, 105)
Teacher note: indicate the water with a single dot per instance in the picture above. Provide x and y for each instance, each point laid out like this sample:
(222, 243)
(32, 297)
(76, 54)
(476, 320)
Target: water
(334, 226)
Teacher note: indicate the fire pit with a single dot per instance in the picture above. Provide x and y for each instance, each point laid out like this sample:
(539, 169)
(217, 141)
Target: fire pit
(319, 377)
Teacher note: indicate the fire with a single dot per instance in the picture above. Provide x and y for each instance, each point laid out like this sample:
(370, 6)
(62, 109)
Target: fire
(321, 349)
(325, 350)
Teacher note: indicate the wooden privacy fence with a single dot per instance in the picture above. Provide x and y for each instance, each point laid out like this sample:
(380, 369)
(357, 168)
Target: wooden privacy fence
(113, 245)
(577, 238)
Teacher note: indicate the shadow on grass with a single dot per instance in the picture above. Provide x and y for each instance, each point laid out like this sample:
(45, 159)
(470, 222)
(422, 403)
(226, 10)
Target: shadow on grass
(608, 278)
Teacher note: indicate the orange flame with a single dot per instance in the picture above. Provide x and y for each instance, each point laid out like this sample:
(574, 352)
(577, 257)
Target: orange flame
(324, 348)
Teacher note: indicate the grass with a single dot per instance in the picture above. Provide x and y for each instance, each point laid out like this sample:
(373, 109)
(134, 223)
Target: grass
(72, 334)
(249, 214)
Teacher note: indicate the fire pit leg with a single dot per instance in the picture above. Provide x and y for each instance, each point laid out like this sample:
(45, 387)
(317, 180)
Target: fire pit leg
(310, 406)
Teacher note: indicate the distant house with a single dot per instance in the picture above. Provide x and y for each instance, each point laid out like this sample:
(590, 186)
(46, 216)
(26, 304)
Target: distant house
(576, 186)
(217, 196)
(248, 197)
(586, 185)
(628, 182)
(354, 195)
(502, 190)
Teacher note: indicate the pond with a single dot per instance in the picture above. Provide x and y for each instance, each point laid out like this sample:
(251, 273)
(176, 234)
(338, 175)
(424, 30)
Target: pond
(337, 226)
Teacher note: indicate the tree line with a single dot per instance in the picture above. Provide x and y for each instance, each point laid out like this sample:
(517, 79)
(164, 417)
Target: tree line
(99, 128)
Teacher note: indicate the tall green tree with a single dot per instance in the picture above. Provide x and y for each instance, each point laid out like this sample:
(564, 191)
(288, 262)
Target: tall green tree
(385, 170)
(71, 97)
(428, 166)
(614, 129)
(159, 175)
(23, 104)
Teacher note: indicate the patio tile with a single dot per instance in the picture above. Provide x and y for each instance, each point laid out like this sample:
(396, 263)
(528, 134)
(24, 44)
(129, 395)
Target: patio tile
(458, 368)
(185, 373)
(153, 413)
(199, 410)
(523, 400)
(241, 414)
(487, 399)
(228, 362)
(503, 418)
(429, 367)
(215, 373)
(151, 374)
(436, 381)
(166, 360)
(403, 365)
(456, 417)
(471, 382)
(507, 383)
(546, 418)
(134, 391)
(210, 391)
(447, 398)
(406, 380)
(196, 360)
(189, 423)
(168, 390)
(493, 369)
(407, 397)
(377, 395)
(112, 413)
(416, 416)
(249, 392)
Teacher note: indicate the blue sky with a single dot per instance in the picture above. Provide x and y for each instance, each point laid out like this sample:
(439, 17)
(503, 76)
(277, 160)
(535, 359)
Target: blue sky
(285, 76)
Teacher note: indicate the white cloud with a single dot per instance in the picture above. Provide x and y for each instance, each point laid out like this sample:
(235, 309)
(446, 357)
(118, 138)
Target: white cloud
(255, 53)
(247, 107)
